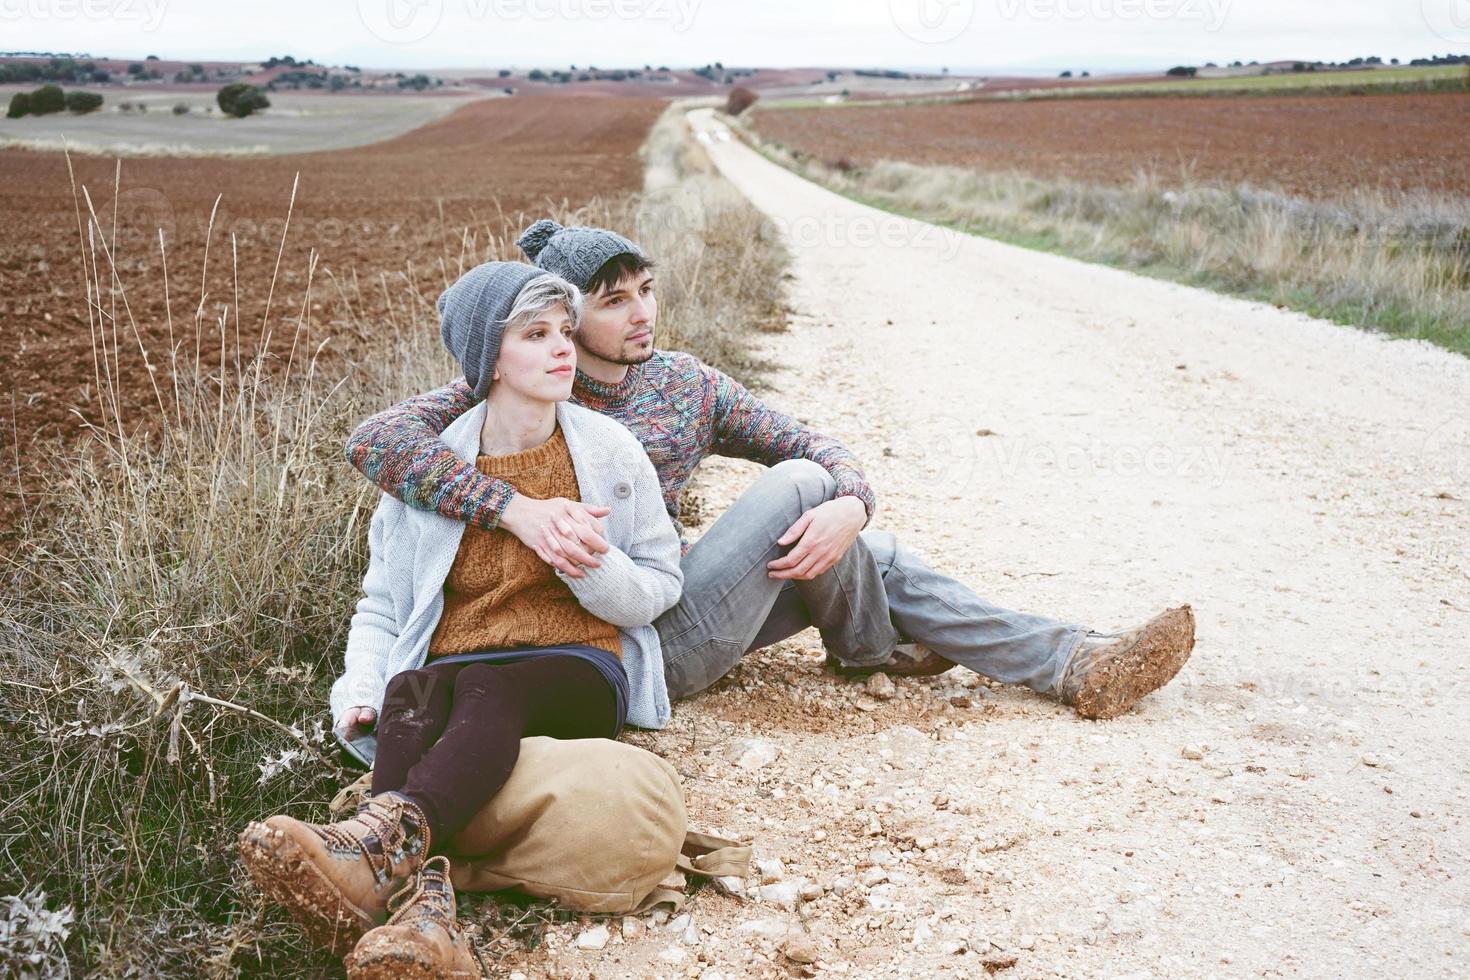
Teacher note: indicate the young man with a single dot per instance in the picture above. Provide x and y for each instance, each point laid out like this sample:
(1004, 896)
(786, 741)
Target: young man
(789, 553)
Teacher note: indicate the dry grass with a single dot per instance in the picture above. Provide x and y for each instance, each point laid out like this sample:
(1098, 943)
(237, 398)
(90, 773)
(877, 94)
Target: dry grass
(172, 628)
(1392, 261)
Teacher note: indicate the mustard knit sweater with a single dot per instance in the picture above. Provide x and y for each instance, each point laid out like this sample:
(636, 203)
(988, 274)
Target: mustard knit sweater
(499, 595)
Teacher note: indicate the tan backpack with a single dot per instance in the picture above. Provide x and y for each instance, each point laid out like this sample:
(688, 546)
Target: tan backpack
(593, 824)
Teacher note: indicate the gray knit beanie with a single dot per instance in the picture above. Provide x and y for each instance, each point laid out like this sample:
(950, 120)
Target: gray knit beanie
(575, 254)
(472, 314)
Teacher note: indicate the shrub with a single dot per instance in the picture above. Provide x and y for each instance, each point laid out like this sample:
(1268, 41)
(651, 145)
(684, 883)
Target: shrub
(181, 109)
(20, 104)
(740, 99)
(239, 100)
(83, 102)
(47, 99)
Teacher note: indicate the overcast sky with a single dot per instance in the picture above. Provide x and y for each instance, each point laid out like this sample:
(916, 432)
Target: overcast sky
(1035, 35)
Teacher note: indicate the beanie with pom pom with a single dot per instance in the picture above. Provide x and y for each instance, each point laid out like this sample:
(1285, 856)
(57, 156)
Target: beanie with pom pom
(575, 254)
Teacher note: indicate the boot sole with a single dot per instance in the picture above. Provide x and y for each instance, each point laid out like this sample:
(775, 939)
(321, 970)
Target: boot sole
(292, 880)
(392, 959)
(932, 665)
(1145, 660)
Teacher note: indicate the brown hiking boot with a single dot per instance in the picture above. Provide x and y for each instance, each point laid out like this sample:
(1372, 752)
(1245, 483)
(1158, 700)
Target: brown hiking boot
(335, 879)
(1108, 673)
(422, 940)
(908, 660)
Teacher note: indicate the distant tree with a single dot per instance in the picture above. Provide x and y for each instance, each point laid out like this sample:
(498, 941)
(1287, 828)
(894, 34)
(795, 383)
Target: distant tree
(101, 77)
(663, 68)
(1087, 74)
(47, 99)
(537, 75)
(151, 57)
(719, 66)
(1211, 64)
(1066, 74)
(240, 100)
(181, 108)
(505, 73)
(83, 102)
(648, 68)
(135, 69)
(508, 90)
(1182, 71)
(584, 77)
(832, 76)
(1393, 61)
(20, 104)
(741, 98)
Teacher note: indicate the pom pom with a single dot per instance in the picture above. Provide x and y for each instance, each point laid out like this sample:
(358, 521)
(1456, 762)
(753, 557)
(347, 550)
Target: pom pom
(534, 238)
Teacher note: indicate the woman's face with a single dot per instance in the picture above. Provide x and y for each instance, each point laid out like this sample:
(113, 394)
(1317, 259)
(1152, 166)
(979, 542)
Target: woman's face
(537, 360)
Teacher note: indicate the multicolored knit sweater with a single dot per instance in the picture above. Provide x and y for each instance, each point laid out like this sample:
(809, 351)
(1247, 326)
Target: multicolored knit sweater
(680, 409)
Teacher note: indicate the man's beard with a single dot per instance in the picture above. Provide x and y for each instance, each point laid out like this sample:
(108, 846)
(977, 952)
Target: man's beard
(622, 355)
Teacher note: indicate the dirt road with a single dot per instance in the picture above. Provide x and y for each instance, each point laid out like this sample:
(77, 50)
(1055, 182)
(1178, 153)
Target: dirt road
(1075, 440)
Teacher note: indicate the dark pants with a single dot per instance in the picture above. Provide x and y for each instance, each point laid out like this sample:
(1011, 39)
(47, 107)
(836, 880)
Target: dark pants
(449, 735)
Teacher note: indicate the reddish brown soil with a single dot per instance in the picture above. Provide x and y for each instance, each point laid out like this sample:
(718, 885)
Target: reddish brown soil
(367, 212)
(1315, 146)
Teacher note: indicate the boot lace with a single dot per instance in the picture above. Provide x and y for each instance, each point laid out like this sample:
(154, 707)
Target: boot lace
(385, 836)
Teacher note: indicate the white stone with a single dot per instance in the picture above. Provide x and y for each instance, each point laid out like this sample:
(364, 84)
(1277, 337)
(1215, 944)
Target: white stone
(594, 938)
(633, 928)
(771, 870)
(764, 928)
(674, 954)
(881, 686)
(751, 753)
(784, 893)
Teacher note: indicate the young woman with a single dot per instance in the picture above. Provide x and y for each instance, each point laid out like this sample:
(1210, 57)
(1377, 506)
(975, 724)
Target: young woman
(467, 641)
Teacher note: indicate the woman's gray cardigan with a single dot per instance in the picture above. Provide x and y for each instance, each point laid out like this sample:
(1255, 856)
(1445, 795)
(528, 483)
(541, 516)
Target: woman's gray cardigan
(412, 551)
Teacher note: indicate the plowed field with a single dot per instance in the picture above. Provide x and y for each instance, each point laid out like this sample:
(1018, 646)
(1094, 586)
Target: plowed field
(1313, 146)
(368, 212)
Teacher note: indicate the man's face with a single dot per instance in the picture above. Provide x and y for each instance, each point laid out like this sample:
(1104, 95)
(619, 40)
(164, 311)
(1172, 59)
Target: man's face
(617, 324)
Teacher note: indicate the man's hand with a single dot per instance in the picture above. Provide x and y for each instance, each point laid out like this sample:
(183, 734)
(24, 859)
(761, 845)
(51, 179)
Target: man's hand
(355, 722)
(822, 535)
(565, 534)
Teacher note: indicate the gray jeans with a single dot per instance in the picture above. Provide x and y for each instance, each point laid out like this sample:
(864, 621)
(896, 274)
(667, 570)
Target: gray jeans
(877, 596)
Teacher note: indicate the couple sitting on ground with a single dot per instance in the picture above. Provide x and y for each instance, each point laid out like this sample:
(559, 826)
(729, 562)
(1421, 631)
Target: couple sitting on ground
(535, 583)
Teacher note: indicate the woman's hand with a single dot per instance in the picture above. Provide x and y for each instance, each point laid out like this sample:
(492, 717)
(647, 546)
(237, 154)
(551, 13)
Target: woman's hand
(565, 534)
(355, 722)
